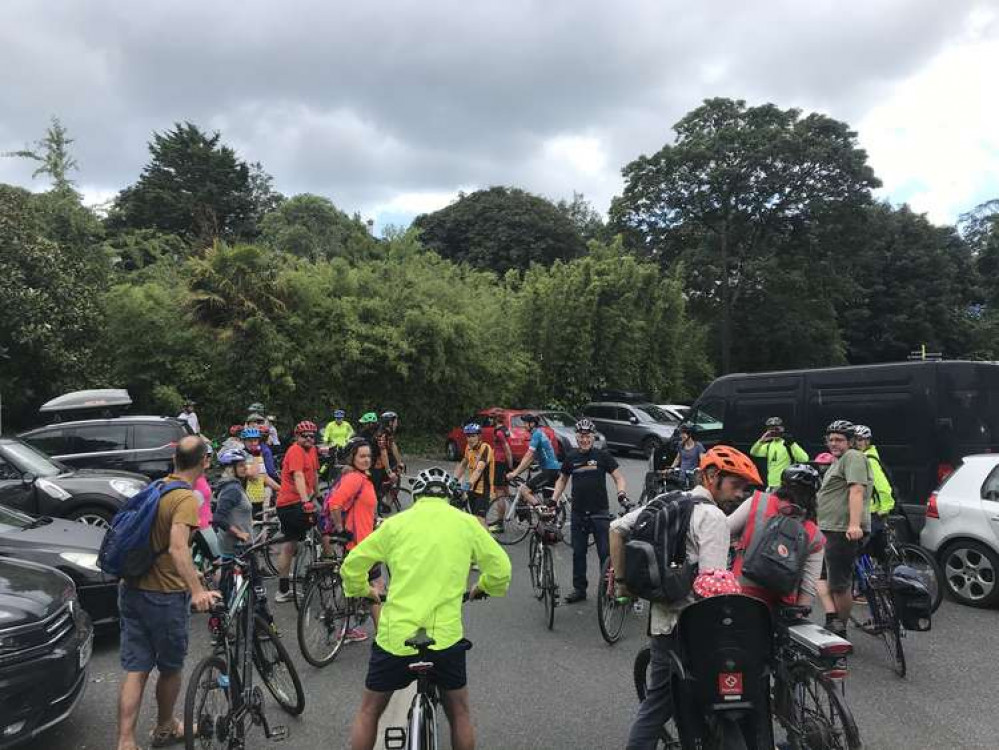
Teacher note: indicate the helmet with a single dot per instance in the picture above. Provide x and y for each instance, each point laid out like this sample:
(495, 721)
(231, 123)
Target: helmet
(825, 459)
(775, 422)
(368, 418)
(235, 430)
(432, 481)
(731, 461)
(472, 429)
(716, 582)
(388, 416)
(862, 432)
(305, 426)
(352, 446)
(255, 417)
(232, 456)
(250, 433)
(256, 406)
(339, 414)
(529, 418)
(802, 475)
(841, 427)
(585, 425)
(688, 428)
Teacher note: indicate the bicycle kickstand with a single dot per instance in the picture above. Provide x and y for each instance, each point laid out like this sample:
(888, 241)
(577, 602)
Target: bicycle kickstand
(276, 733)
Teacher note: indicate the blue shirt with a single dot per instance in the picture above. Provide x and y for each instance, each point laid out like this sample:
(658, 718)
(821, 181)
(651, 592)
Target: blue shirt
(690, 458)
(543, 451)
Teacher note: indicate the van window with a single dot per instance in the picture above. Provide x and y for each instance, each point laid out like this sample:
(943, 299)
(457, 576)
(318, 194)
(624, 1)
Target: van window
(894, 416)
(709, 417)
(973, 414)
(100, 438)
(747, 419)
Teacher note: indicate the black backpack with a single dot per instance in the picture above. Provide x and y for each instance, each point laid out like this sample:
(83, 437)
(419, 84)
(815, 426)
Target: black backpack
(655, 556)
(778, 551)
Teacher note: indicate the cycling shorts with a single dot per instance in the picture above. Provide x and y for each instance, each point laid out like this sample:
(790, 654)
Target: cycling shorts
(499, 473)
(841, 554)
(388, 672)
(478, 504)
(295, 522)
(544, 478)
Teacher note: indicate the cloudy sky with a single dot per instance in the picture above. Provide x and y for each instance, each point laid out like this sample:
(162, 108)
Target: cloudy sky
(390, 107)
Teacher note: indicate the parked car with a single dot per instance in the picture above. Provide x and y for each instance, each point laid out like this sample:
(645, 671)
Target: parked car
(925, 415)
(67, 546)
(33, 483)
(46, 640)
(563, 425)
(631, 427)
(489, 419)
(144, 445)
(679, 412)
(962, 530)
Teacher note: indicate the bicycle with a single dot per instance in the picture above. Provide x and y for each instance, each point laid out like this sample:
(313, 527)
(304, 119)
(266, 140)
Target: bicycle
(266, 528)
(667, 480)
(892, 553)
(546, 533)
(612, 609)
(394, 498)
(221, 696)
(874, 584)
(511, 519)
(310, 549)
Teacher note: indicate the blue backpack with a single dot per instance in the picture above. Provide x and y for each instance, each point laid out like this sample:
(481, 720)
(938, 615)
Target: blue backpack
(127, 550)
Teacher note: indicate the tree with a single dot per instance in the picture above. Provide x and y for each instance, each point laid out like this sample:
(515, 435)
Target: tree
(499, 229)
(194, 186)
(311, 227)
(736, 182)
(587, 220)
(52, 153)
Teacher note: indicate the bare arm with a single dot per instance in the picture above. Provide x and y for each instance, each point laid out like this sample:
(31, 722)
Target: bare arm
(301, 487)
(854, 532)
(618, 478)
(524, 462)
(180, 552)
(479, 468)
(560, 485)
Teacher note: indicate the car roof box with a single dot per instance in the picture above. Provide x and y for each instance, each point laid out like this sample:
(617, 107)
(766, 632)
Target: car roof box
(98, 402)
(627, 397)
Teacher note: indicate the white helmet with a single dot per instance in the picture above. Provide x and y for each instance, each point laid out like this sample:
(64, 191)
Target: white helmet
(433, 481)
(862, 432)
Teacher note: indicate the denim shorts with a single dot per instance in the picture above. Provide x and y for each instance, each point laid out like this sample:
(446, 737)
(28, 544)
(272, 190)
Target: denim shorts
(154, 629)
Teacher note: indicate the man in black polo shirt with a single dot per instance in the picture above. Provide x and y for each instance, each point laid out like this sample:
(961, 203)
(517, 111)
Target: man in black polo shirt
(588, 469)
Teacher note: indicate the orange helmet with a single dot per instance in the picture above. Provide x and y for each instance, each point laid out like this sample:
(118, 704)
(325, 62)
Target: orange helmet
(731, 461)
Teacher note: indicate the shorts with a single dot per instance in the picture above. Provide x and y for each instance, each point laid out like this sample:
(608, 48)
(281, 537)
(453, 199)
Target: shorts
(375, 573)
(544, 478)
(295, 522)
(258, 511)
(841, 554)
(388, 672)
(378, 479)
(154, 628)
(478, 504)
(500, 469)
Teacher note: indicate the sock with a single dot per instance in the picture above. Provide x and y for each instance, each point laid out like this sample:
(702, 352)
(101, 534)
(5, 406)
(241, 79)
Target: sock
(830, 618)
(284, 585)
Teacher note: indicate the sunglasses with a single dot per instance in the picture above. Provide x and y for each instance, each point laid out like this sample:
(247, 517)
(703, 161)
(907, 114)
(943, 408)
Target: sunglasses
(308, 435)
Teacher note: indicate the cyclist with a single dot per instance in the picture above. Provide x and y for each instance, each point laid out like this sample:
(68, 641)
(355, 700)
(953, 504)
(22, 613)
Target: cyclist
(794, 497)
(367, 427)
(540, 449)
(299, 475)
(688, 457)
(882, 498)
(233, 517)
(259, 484)
(389, 422)
(725, 474)
(337, 431)
(779, 448)
(588, 469)
(429, 549)
(503, 458)
(479, 462)
(353, 505)
(233, 441)
(844, 515)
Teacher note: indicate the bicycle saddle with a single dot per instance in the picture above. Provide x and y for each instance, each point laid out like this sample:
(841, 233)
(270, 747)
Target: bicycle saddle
(420, 640)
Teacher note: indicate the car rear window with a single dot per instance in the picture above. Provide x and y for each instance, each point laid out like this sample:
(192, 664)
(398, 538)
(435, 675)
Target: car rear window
(148, 436)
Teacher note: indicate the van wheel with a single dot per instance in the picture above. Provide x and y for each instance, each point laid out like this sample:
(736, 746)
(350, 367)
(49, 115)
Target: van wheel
(451, 450)
(93, 516)
(649, 446)
(970, 569)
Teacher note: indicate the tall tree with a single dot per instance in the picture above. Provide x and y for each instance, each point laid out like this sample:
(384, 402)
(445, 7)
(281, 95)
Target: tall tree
(311, 227)
(734, 184)
(587, 220)
(501, 228)
(194, 186)
(53, 156)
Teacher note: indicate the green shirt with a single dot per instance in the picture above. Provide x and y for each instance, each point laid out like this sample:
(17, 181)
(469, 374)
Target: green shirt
(778, 457)
(834, 496)
(338, 434)
(882, 499)
(428, 549)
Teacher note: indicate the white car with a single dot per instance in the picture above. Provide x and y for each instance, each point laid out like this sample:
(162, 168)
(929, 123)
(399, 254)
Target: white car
(680, 412)
(962, 530)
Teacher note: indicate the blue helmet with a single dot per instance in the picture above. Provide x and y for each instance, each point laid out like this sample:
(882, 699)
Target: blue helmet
(232, 456)
(472, 429)
(339, 414)
(249, 433)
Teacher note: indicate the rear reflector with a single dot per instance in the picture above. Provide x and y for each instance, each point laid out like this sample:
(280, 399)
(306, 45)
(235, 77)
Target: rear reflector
(932, 511)
(838, 649)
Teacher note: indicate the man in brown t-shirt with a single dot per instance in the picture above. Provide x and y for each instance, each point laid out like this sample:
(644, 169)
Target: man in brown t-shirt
(154, 610)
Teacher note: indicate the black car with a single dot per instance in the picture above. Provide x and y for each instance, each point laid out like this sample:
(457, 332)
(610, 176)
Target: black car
(67, 546)
(46, 640)
(141, 444)
(33, 483)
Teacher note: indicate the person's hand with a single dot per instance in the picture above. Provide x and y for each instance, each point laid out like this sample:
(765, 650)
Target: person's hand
(242, 536)
(374, 594)
(204, 599)
(854, 533)
(475, 593)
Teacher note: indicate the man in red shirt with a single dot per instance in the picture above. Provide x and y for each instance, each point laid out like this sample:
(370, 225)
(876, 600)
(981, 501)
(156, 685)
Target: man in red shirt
(299, 474)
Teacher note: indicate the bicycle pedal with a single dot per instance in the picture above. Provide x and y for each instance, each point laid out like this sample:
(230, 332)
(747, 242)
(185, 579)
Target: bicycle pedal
(277, 734)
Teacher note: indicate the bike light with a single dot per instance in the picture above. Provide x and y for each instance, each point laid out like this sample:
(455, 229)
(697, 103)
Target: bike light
(836, 674)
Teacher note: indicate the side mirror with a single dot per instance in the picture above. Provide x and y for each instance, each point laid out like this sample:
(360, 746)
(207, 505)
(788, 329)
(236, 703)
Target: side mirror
(633, 419)
(28, 478)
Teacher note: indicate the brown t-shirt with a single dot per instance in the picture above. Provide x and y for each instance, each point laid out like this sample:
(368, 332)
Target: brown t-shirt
(178, 506)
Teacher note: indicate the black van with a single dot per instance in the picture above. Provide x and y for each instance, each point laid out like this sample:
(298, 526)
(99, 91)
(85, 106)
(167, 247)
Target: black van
(924, 415)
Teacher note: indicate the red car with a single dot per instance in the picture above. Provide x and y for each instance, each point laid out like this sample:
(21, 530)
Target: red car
(492, 418)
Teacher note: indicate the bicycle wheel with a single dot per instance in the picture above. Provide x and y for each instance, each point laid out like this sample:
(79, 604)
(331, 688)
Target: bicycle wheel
(669, 737)
(818, 716)
(268, 555)
(927, 567)
(207, 707)
(610, 612)
(323, 620)
(512, 531)
(276, 669)
(549, 585)
(888, 625)
(308, 553)
(534, 565)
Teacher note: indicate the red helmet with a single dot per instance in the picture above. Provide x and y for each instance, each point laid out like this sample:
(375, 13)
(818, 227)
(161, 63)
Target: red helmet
(305, 426)
(235, 430)
(731, 461)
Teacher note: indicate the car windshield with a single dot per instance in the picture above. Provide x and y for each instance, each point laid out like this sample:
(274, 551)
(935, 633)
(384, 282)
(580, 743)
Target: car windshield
(559, 419)
(652, 413)
(30, 461)
(10, 519)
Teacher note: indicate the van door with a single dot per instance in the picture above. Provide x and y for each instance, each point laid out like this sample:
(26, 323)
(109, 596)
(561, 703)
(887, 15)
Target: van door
(709, 419)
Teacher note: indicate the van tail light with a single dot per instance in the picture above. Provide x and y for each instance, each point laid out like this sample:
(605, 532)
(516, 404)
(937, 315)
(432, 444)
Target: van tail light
(932, 511)
(944, 471)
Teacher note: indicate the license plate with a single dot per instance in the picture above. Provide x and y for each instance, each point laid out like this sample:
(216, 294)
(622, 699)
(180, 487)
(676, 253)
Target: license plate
(86, 650)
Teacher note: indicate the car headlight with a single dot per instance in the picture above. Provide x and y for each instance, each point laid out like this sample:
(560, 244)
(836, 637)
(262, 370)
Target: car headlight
(52, 489)
(125, 487)
(86, 560)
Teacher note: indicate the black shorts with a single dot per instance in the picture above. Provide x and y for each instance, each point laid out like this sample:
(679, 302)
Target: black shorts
(388, 672)
(841, 555)
(544, 478)
(478, 504)
(500, 469)
(375, 573)
(295, 522)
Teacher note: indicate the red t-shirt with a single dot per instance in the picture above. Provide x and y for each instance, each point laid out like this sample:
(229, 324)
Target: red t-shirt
(297, 459)
(355, 494)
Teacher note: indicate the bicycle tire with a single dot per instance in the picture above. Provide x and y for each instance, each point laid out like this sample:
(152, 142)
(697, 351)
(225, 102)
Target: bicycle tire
(534, 566)
(300, 570)
(812, 727)
(928, 568)
(203, 683)
(548, 583)
(515, 530)
(890, 629)
(323, 619)
(264, 639)
(610, 612)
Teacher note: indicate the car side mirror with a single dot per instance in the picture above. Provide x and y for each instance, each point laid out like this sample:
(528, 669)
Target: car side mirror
(633, 419)
(28, 478)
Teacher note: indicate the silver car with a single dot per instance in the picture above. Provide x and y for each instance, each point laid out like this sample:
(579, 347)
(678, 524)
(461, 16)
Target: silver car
(564, 426)
(962, 530)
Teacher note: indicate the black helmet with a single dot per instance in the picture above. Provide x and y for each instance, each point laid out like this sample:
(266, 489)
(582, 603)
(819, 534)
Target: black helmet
(530, 418)
(585, 425)
(801, 475)
(388, 416)
(352, 446)
(688, 428)
(841, 427)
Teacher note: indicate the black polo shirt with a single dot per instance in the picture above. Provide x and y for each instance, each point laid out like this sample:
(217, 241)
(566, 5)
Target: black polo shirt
(588, 472)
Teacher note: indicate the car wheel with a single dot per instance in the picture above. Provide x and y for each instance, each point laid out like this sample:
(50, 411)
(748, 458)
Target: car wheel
(649, 446)
(970, 570)
(451, 449)
(93, 516)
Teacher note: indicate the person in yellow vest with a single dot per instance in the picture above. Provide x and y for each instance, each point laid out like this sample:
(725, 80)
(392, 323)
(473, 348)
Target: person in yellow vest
(780, 450)
(338, 431)
(480, 463)
(259, 486)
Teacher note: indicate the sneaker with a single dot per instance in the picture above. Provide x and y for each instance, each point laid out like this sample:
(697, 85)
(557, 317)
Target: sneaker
(576, 596)
(497, 528)
(355, 635)
(283, 597)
